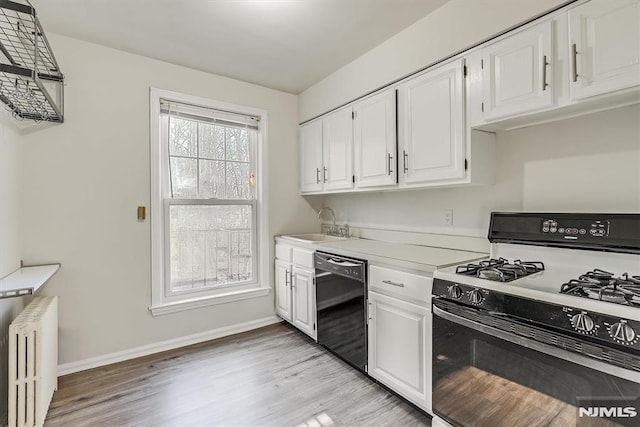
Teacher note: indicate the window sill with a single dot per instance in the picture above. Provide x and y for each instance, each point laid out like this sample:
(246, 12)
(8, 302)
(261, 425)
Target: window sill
(232, 296)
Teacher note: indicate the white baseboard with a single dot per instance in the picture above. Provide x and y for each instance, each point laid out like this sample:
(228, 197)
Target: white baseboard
(107, 359)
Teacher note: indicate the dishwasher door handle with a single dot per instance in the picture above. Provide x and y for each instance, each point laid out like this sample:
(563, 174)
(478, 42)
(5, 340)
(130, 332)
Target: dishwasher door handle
(337, 261)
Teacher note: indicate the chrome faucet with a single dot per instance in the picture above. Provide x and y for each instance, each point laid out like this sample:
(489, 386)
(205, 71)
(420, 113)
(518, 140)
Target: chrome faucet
(333, 214)
(333, 230)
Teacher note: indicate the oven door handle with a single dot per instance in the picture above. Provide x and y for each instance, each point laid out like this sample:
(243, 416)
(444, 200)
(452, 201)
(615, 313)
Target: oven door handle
(504, 316)
(538, 346)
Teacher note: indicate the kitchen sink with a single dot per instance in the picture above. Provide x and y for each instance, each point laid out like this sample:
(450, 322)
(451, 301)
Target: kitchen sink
(315, 238)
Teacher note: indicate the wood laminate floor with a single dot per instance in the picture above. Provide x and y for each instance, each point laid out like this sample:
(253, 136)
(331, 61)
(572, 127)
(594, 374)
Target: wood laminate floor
(273, 376)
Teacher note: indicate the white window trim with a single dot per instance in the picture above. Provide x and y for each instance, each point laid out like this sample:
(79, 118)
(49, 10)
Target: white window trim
(160, 304)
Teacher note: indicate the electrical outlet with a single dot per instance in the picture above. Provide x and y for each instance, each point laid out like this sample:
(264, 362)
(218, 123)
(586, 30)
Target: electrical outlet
(447, 217)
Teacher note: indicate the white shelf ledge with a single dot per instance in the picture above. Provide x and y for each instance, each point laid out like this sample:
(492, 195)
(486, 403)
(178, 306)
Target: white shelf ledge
(26, 280)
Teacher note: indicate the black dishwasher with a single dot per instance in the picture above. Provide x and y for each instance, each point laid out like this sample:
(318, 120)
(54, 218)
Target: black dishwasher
(341, 292)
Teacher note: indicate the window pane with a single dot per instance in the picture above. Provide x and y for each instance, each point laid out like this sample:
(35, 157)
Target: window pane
(237, 145)
(238, 181)
(211, 141)
(211, 179)
(184, 177)
(182, 137)
(210, 245)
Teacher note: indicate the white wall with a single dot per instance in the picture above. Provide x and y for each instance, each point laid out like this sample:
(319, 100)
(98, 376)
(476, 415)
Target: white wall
(86, 177)
(455, 26)
(585, 164)
(10, 235)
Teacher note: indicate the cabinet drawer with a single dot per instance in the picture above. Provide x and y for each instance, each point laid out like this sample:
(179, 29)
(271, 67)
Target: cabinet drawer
(283, 252)
(402, 285)
(303, 258)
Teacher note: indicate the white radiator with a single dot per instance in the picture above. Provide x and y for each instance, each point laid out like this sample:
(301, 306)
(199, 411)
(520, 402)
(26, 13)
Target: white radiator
(33, 362)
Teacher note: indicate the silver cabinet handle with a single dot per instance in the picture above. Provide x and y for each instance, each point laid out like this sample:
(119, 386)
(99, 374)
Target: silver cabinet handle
(389, 158)
(317, 175)
(369, 310)
(324, 175)
(406, 160)
(574, 61)
(291, 280)
(287, 278)
(389, 282)
(544, 73)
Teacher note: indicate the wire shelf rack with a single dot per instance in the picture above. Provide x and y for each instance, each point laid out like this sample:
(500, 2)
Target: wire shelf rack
(31, 83)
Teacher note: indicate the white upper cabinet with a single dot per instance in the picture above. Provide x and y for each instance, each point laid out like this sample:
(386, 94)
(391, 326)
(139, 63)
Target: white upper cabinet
(605, 46)
(517, 73)
(355, 145)
(374, 129)
(431, 129)
(337, 142)
(311, 169)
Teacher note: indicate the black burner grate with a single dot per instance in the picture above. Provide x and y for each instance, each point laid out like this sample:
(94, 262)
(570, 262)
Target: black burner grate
(603, 285)
(500, 269)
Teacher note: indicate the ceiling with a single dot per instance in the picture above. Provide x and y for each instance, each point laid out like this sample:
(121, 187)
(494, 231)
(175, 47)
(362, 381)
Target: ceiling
(282, 44)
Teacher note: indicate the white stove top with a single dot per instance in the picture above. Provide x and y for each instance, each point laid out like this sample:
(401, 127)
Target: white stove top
(561, 265)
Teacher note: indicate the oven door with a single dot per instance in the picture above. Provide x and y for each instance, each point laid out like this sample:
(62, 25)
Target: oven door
(484, 376)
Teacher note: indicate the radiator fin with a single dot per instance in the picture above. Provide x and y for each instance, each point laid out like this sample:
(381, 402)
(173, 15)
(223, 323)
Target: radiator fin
(33, 362)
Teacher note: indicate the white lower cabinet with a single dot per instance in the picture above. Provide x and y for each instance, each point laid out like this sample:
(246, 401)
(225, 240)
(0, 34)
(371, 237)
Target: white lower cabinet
(283, 289)
(400, 336)
(399, 320)
(294, 286)
(304, 300)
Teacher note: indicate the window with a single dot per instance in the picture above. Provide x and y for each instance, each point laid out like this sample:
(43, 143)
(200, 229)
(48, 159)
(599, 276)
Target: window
(207, 210)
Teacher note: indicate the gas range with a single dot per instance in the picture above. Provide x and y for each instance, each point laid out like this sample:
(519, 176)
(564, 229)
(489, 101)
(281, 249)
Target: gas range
(584, 283)
(552, 316)
(595, 284)
(562, 268)
(596, 270)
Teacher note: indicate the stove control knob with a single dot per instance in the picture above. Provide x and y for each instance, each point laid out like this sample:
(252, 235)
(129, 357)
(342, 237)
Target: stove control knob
(622, 332)
(583, 323)
(475, 297)
(454, 291)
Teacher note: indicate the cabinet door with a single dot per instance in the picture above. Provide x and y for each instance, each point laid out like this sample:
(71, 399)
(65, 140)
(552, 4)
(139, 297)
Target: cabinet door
(304, 301)
(400, 347)
(283, 289)
(337, 142)
(375, 140)
(311, 157)
(604, 46)
(517, 72)
(432, 126)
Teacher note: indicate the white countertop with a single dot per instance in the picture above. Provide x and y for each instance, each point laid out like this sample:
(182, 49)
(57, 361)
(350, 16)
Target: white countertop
(424, 259)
